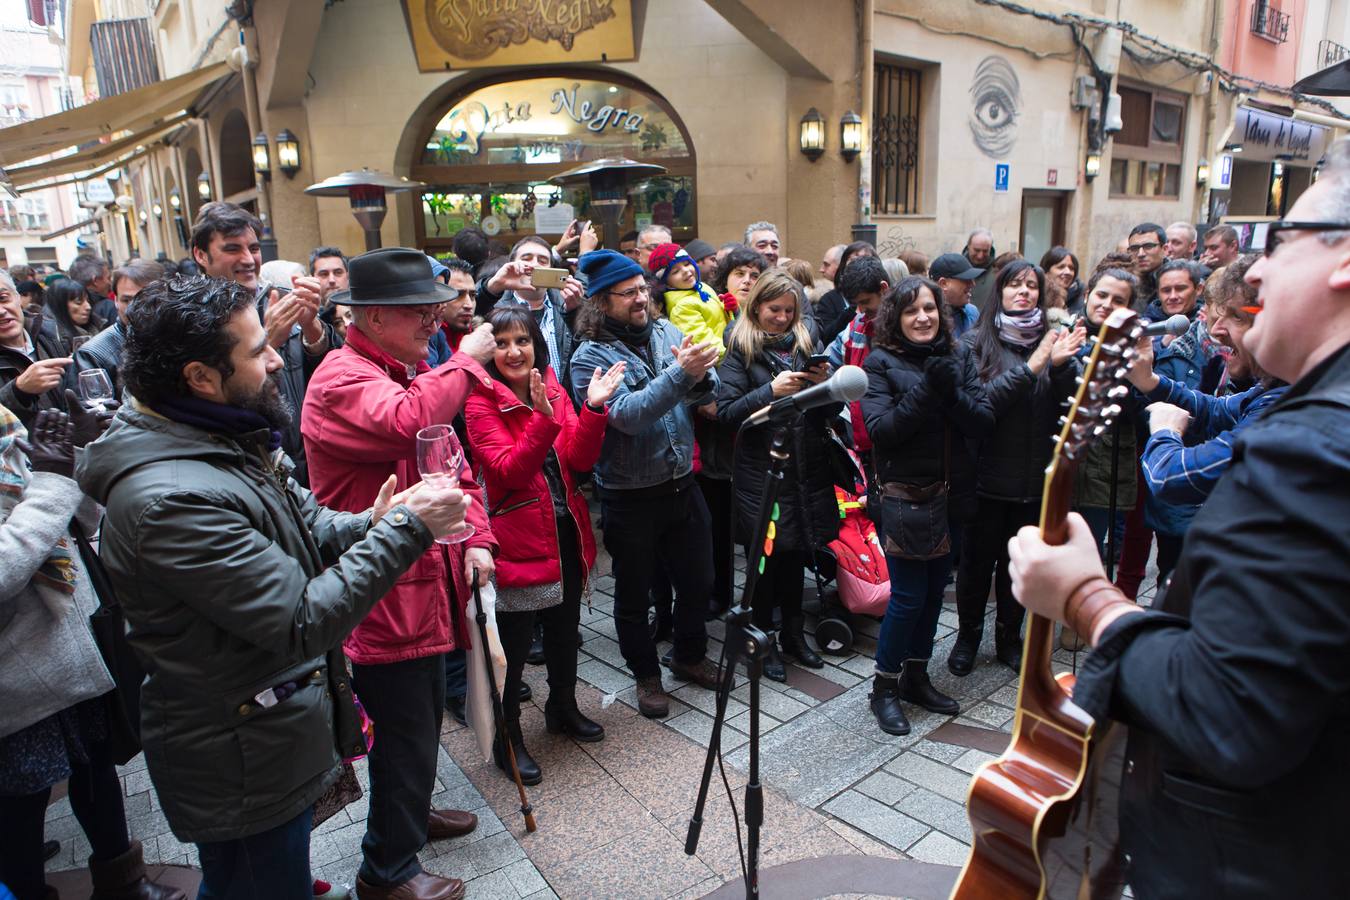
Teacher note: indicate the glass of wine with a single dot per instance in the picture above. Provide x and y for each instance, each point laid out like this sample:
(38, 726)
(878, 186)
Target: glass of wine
(439, 458)
(96, 389)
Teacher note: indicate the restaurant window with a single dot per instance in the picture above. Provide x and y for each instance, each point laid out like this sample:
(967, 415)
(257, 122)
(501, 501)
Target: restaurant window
(895, 140)
(1146, 152)
(488, 158)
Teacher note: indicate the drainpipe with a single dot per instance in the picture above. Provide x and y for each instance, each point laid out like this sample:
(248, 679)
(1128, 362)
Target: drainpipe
(1200, 211)
(246, 55)
(865, 230)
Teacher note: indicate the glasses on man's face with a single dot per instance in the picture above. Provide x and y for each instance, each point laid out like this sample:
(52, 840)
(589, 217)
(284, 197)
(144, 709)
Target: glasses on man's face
(1274, 237)
(632, 293)
(1145, 248)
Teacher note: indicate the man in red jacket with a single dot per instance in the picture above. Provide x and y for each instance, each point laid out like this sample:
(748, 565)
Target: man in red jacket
(364, 407)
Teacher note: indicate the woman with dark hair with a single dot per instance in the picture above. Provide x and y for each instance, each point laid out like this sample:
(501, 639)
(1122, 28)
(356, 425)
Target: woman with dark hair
(1028, 371)
(68, 306)
(529, 443)
(1062, 287)
(736, 274)
(767, 355)
(923, 406)
(833, 311)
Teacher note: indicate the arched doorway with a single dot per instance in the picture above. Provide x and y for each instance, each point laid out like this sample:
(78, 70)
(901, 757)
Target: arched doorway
(173, 208)
(192, 200)
(236, 160)
(488, 154)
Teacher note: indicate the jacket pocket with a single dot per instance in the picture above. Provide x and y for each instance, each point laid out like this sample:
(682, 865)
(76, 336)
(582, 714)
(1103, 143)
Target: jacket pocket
(1209, 798)
(512, 507)
(284, 746)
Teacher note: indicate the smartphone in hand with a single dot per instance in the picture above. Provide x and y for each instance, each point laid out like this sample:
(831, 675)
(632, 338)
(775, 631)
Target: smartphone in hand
(548, 278)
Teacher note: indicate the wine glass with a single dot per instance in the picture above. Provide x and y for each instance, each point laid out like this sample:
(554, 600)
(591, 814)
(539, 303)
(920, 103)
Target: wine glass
(96, 389)
(439, 458)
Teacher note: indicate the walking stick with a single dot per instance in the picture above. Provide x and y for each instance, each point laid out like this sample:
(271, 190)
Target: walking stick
(499, 716)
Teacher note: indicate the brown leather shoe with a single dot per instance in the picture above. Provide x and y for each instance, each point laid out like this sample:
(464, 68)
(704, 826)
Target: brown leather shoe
(702, 673)
(653, 701)
(449, 823)
(422, 886)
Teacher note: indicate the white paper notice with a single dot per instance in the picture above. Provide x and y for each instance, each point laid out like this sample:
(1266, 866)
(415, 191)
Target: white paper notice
(553, 219)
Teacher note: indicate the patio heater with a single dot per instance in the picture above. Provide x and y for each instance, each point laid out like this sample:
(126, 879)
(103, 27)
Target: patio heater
(608, 180)
(366, 190)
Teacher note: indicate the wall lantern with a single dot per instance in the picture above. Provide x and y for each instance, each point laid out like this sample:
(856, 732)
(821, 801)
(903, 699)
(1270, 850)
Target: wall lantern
(1202, 173)
(174, 200)
(204, 186)
(145, 218)
(1093, 167)
(262, 157)
(850, 136)
(813, 134)
(157, 210)
(288, 153)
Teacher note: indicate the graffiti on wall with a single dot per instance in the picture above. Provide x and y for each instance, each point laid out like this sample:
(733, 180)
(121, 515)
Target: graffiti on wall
(894, 241)
(996, 104)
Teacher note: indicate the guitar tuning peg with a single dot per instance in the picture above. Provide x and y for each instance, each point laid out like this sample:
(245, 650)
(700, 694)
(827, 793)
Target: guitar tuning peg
(1119, 392)
(1063, 420)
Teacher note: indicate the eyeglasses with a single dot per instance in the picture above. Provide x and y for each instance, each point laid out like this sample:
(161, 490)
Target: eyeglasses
(1147, 248)
(632, 293)
(1273, 229)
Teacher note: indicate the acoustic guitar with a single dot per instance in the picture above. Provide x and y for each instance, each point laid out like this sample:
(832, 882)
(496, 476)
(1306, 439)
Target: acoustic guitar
(1043, 825)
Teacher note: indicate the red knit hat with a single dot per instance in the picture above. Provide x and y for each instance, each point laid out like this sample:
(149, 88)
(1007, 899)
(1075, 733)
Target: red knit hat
(662, 256)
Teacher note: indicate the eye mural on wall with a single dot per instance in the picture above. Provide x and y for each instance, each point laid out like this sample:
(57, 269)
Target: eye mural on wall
(996, 102)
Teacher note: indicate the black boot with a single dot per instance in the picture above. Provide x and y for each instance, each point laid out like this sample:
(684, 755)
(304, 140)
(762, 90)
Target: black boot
(917, 688)
(773, 662)
(536, 656)
(885, 700)
(962, 658)
(124, 878)
(795, 645)
(569, 720)
(1008, 645)
(529, 769)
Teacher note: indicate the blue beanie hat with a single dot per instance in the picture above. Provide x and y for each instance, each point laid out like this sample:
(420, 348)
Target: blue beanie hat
(438, 268)
(604, 269)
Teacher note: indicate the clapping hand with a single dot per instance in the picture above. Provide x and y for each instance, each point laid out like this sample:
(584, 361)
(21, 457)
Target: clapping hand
(604, 384)
(539, 394)
(1067, 343)
(49, 446)
(695, 359)
(941, 374)
(283, 312)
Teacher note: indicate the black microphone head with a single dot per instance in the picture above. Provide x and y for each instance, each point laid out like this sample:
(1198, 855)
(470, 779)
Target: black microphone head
(848, 384)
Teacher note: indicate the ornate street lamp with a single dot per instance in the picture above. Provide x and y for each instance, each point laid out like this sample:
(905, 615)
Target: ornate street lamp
(812, 134)
(288, 153)
(850, 136)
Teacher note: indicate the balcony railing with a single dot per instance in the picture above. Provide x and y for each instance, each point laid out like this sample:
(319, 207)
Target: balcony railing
(1329, 53)
(1269, 23)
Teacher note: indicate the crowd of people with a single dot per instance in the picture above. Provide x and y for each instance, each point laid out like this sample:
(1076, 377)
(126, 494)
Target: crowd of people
(278, 554)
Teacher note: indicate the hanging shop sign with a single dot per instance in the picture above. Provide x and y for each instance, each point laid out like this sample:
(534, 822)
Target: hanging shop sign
(1267, 137)
(468, 34)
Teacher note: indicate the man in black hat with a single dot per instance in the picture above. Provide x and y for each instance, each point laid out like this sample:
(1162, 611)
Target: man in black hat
(365, 404)
(957, 277)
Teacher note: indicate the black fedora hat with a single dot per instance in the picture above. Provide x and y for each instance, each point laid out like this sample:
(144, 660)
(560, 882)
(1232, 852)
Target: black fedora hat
(392, 276)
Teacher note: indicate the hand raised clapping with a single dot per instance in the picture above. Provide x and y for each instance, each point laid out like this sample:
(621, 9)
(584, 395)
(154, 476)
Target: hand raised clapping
(604, 384)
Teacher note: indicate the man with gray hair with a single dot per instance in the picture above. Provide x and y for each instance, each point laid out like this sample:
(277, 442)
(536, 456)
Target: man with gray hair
(1180, 241)
(104, 351)
(649, 239)
(91, 273)
(763, 237)
(979, 250)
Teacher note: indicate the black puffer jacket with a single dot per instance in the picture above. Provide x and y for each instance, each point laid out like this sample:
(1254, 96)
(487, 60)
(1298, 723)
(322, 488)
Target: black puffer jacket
(1012, 459)
(808, 513)
(46, 345)
(907, 421)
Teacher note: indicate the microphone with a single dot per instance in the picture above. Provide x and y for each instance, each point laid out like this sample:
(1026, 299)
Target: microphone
(1176, 325)
(847, 384)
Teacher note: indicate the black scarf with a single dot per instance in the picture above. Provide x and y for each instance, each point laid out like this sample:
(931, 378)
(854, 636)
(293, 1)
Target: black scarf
(938, 346)
(217, 417)
(637, 338)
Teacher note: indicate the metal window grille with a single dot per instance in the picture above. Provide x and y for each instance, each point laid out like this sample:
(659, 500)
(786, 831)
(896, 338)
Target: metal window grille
(895, 140)
(1269, 23)
(1329, 53)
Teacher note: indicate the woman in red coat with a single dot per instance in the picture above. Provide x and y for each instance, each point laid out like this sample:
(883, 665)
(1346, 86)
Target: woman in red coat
(527, 442)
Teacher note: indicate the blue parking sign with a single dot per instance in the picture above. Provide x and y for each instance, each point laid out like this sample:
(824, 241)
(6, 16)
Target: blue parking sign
(1001, 172)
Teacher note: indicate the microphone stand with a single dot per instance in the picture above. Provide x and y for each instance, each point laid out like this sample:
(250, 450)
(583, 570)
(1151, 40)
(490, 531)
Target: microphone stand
(744, 640)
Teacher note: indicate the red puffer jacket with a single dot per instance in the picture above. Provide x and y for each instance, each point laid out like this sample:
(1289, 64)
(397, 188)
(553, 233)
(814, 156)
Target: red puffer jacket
(510, 441)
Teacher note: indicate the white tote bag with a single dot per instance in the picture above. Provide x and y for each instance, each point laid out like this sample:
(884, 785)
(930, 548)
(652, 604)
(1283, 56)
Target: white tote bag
(479, 697)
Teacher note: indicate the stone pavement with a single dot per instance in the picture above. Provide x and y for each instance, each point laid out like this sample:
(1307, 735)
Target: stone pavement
(612, 816)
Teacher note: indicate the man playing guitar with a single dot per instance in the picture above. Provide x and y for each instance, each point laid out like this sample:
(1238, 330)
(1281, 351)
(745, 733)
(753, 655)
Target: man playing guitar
(1236, 687)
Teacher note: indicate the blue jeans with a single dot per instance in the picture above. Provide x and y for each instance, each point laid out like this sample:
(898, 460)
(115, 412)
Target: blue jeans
(1098, 520)
(456, 675)
(272, 864)
(911, 617)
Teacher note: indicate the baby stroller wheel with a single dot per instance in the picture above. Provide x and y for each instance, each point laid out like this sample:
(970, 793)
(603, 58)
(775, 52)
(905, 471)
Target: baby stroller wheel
(834, 637)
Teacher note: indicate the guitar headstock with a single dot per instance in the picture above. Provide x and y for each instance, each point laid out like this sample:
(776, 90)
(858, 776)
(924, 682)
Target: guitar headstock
(1102, 385)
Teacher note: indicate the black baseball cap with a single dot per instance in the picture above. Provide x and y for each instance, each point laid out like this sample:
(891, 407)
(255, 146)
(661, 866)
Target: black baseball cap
(953, 265)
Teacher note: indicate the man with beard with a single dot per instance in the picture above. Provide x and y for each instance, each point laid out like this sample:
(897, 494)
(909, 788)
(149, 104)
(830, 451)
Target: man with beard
(225, 244)
(1147, 243)
(365, 406)
(238, 588)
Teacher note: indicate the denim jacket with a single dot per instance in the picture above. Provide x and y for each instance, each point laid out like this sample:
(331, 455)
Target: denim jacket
(650, 438)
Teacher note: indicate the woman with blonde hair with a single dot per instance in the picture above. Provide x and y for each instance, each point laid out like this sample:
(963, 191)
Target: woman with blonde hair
(769, 354)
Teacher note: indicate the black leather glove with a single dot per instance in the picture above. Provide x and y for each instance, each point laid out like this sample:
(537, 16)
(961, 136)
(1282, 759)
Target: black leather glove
(942, 375)
(88, 424)
(49, 447)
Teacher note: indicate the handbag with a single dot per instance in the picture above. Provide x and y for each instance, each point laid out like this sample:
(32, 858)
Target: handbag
(110, 634)
(914, 518)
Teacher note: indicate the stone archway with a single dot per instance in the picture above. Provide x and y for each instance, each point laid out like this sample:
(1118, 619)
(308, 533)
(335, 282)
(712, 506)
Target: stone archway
(236, 160)
(192, 200)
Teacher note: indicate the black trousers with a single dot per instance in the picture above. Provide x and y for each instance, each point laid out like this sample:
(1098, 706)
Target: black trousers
(721, 502)
(95, 798)
(406, 701)
(984, 555)
(672, 528)
(779, 588)
(560, 633)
